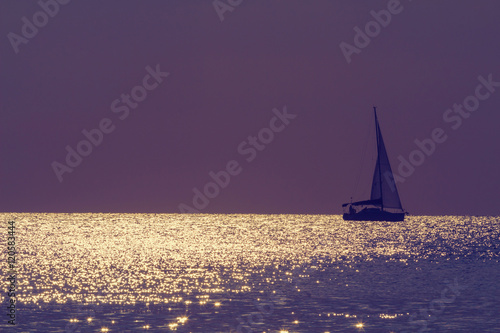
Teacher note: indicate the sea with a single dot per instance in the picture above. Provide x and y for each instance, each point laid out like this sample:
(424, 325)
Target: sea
(249, 273)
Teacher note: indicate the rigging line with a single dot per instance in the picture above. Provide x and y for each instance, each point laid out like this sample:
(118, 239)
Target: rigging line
(363, 157)
(379, 139)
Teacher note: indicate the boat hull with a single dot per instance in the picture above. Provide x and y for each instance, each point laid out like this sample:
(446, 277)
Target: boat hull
(375, 216)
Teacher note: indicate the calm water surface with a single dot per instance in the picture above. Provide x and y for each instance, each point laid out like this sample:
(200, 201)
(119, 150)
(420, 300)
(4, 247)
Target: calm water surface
(253, 273)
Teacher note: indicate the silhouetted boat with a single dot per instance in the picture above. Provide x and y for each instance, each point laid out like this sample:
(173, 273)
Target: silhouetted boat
(384, 203)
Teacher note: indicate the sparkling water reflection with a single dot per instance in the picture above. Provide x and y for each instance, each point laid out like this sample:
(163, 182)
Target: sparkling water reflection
(254, 273)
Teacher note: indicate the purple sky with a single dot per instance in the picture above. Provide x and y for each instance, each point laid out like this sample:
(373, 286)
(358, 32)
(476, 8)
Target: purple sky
(225, 79)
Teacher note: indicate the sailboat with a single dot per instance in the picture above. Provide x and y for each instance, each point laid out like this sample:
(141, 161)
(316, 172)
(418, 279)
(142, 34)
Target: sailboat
(384, 203)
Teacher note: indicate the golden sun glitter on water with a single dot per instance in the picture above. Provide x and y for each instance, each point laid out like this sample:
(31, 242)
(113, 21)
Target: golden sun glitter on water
(211, 261)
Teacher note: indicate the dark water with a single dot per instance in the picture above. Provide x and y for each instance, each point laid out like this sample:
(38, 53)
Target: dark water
(253, 273)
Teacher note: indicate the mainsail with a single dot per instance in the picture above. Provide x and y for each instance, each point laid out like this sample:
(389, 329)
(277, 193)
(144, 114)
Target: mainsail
(383, 186)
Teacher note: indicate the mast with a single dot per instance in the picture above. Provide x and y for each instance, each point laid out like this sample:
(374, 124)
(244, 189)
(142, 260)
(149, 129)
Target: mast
(377, 130)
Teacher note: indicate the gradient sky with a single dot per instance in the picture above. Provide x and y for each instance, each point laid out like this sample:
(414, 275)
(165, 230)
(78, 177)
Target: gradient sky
(225, 79)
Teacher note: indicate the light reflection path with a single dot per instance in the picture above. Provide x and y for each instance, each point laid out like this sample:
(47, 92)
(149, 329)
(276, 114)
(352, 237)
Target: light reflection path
(200, 260)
